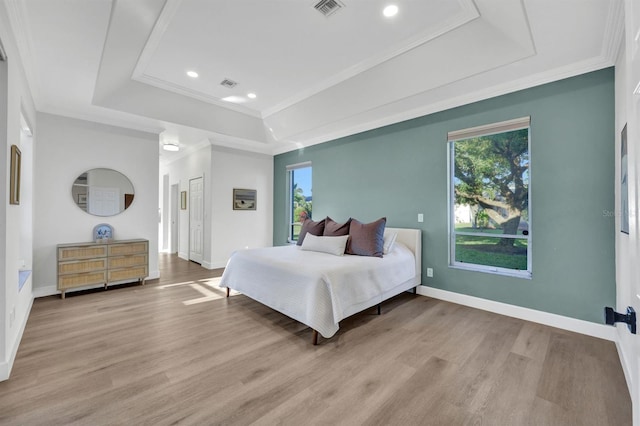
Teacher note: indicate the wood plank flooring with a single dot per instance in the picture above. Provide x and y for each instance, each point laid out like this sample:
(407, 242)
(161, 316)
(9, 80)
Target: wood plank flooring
(176, 351)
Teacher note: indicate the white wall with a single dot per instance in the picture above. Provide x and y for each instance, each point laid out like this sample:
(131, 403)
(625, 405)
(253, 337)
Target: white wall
(234, 229)
(69, 147)
(15, 220)
(225, 229)
(628, 245)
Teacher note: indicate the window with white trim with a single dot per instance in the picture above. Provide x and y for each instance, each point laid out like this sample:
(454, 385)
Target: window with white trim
(300, 200)
(490, 208)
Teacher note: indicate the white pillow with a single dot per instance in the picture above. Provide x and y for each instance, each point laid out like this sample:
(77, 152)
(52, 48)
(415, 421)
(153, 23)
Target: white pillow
(389, 239)
(331, 245)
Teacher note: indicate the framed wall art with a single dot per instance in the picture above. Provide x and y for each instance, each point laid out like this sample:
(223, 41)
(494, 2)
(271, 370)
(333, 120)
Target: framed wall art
(14, 190)
(183, 200)
(244, 199)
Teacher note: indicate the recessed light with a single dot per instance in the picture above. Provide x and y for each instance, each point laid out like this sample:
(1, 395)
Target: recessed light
(171, 146)
(192, 74)
(391, 10)
(251, 95)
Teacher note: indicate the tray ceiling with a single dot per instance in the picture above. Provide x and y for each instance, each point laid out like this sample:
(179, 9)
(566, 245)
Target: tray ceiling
(315, 78)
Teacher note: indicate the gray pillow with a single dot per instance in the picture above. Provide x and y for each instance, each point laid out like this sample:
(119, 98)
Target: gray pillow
(315, 228)
(335, 229)
(366, 239)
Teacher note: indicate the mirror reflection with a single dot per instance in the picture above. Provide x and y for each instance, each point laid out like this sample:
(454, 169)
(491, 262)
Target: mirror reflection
(102, 192)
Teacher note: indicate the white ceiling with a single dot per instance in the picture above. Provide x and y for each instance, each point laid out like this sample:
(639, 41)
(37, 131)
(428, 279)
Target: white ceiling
(316, 78)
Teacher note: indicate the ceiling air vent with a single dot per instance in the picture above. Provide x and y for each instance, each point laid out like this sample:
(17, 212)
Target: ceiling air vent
(328, 7)
(228, 83)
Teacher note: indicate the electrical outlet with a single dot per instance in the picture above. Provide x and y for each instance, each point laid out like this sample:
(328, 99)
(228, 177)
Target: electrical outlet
(430, 272)
(420, 217)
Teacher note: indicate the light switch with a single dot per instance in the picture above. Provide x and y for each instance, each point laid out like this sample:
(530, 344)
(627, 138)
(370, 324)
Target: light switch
(420, 217)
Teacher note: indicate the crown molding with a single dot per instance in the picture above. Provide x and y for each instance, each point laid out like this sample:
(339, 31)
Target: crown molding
(555, 74)
(107, 120)
(181, 90)
(162, 23)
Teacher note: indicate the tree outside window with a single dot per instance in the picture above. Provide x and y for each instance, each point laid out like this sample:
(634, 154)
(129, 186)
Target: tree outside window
(301, 202)
(490, 223)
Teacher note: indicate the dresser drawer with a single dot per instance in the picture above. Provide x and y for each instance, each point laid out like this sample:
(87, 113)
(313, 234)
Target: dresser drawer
(81, 252)
(78, 280)
(129, 248)
(79, 266)
(128, 261)
(139, 272)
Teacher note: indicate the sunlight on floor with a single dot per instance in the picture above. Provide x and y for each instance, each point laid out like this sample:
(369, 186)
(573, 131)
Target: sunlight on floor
(209, 288)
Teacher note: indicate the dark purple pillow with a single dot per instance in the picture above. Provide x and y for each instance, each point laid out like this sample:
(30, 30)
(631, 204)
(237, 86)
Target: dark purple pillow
(315, 228)
(366, 239)
(335, 229)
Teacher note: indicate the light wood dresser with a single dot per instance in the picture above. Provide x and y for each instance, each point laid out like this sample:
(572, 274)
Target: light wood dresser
(86, 264)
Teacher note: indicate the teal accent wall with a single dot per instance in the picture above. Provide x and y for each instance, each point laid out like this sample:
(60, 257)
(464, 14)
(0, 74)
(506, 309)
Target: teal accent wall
(400, 170)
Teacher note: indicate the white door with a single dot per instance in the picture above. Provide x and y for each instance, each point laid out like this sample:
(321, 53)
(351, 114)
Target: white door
(175, 194)
(628, 286)
(196, 219)
(103, 201)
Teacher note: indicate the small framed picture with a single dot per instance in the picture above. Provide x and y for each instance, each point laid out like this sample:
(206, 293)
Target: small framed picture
(82, 198)
(14, 188)
(183, 200)
(244, 199)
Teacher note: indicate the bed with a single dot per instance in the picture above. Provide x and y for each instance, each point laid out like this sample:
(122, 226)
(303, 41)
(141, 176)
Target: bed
(320, 289)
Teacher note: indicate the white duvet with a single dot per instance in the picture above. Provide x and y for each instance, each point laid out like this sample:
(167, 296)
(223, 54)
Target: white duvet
(319, 289)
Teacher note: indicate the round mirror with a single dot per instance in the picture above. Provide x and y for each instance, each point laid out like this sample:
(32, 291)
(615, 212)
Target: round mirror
(102, 192)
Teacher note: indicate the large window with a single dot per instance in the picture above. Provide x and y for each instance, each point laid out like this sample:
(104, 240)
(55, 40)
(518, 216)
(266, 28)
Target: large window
(490, 209)
(300, 199)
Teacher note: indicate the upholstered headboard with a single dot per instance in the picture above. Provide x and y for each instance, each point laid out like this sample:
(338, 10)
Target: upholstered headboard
(412, 238)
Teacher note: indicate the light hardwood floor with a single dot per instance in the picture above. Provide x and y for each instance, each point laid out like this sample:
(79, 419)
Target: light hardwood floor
(175, 351)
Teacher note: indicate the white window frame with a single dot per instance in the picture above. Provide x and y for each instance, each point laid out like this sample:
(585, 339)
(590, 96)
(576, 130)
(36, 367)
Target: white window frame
(289, 207)
(486, 130)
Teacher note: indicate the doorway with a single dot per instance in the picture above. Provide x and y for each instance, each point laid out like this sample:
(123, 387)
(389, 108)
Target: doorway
(196, 219)
(173, 232)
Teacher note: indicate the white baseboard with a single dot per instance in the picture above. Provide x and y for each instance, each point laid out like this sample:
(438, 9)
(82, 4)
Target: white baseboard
(571, 324)
(49, 290)
(622, 344)
(53, 290)
(184, 256)
(214, 265)
(4, 371)
(5, 367)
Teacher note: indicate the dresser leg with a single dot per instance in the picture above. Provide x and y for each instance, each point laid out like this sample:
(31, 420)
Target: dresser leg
(62, 294)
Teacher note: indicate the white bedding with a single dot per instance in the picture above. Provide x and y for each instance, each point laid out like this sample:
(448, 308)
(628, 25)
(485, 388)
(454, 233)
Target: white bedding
(319, 289)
